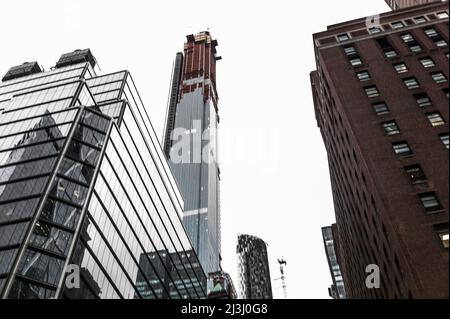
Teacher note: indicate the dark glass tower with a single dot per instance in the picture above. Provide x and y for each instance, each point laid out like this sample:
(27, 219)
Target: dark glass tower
(85, 185)
(193, 114)
(337, 289)
(253, 268)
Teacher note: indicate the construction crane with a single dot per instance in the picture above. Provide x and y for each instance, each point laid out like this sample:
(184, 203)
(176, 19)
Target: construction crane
(283, 263)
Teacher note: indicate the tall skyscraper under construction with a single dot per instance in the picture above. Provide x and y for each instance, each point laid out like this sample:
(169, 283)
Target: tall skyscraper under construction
(192, 117)
(400, 4)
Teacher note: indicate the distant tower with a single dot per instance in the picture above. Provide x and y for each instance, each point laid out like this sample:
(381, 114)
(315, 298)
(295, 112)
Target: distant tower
(193, 113)
(253, 268)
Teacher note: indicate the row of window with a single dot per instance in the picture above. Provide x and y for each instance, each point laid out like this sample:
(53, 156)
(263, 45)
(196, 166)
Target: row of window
(411, 83)
(435, 118)
(422, 100)
(427, 62)
(403, 149)
(394, 25)
(390, 52)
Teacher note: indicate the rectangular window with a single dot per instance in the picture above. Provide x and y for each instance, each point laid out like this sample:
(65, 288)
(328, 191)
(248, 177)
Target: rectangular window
(415, 173)
(397, 25)
(435, 119)
(374, 30)
(372, 91)
(418, 20)
(363, 76)
(349, 51)
(343, 37)
(444, 139)
(387, 48)
(401, 67)
(411, 83)
(441, 43)
(435, 37)
(380, 108)
(442, 15)
(430, 202)
(391, 128)
(427, 62)
(422, 100)
(431, 32)
(442, 231)
(402, 149)
(445, 91)
(390, 53)
(353, 56)
(355, 62)
(407, 37)
(409, 40)
(438, 77)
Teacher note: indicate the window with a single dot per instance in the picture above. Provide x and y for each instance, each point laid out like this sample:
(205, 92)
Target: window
(418, 20)
(353, 56)
(445, 91)
(402, 149)
(409, 40)
(349, 51)
(343, 37)
(422, 99)
(355, 62)
(391, 128)
(442, 15)
(430, 202)
(442, 231)
(431, 32)
(401, 67)
(439, 77)
(363, 76)
(427, 62)
(435, 119)
(407, 37)
(411, 83)
(444, 139)
(387, 48)
(372, 91)
(397, 25)
(390, 54)
(374, 30)
(380, 108)
(441, 43)
(436, 37)
(415, 173)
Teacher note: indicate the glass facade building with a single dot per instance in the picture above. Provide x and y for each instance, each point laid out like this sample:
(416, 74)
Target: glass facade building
(85, 185)
(220, 286)
(193, 114)
(337, 289)
(253, 268)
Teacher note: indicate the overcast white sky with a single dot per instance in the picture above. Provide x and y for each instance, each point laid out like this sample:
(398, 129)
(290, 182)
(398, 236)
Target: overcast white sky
(283, 195)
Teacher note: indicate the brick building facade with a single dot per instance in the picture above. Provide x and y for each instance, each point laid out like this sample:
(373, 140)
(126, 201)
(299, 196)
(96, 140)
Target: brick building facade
(381, 102)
